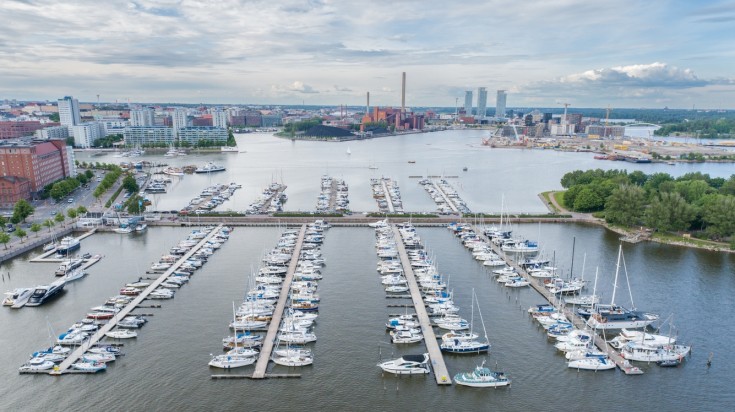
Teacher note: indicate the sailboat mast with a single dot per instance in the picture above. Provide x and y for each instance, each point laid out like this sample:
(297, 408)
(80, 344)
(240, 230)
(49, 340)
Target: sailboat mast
(571, 269)
(617, 271)
(480, 313)
(627, 281)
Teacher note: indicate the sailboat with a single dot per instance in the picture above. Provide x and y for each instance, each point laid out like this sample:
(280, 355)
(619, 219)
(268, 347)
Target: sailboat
(233, 358)
(467, 342)
(614, 316)
(349, 152)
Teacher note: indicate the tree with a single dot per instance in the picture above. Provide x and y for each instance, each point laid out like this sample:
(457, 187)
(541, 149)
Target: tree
(35, 228)
(3, 221)
(72, 213)
(130, 184)
(54, 117)
(49, 224)
(81, 210)
(693, 190)
(22, 210)
(59, 217)
(70, 141)
(4, 239)
(88, 173)
(625, 205)
(718, 213)
(21, 234)
(588, 200)
(638, 178)
(669, 212)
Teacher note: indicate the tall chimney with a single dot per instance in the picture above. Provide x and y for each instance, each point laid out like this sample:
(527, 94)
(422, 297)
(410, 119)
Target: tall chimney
(367, 107)
(403, 93)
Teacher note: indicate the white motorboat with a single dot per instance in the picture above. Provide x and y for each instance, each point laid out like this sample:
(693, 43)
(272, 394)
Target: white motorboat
(18, 297)
(636, 351)
(297, 336)
(292, 351)
(407, 365)
(121, 334)
(74, 275)
(482, 377)
(72, 338)
(98, 357)
(406, 336)
(641, 337)
(161, 294)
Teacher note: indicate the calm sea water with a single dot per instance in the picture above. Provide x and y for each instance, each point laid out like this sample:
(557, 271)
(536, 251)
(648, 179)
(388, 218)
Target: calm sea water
(518, 175)
(165, 368)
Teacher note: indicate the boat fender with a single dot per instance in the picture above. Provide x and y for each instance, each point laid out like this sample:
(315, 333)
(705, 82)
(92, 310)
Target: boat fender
(444, 378)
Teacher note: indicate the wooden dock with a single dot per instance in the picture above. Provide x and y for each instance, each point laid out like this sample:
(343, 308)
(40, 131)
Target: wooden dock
(44, 258)
(270, 337)
(437, 359)
(446, 198)
(100, 334)
(388, 198)
(576, 320)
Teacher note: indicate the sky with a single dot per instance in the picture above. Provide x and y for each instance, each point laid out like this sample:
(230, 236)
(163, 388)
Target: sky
(618, 53)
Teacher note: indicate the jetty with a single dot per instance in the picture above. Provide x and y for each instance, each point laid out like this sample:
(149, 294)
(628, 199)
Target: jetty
(432, 346)
(125, 311)
(447, 200)
(388, 197)
(270, 338)
(576, 320)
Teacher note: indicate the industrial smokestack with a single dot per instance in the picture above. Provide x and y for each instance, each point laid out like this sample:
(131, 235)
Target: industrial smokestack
(403, 93)
(367, 106)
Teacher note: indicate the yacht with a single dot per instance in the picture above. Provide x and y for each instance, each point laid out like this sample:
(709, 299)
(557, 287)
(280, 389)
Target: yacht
(89, 366)
(67, 266)
(37, 364)
(482, 377)
(18, 297)
(641, 352)
(294, 359)
(209, 168)
(121, 334)
(593, 363)
(67, 244)
(42, 294)
(407, 365)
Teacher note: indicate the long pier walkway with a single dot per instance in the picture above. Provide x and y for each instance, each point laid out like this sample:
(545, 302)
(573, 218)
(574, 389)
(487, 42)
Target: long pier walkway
(578, 322)
(44, 257)
(437, 359)
(270, 337)
(447, 200)
(79, 352)
(388, 197)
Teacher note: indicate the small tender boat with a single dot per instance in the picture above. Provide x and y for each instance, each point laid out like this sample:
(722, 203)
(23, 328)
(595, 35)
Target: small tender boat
(407, 365)
(482, 377)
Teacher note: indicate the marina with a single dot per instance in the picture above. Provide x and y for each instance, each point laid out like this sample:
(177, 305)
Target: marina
(441, 375)
(102, 332)
(275, 323)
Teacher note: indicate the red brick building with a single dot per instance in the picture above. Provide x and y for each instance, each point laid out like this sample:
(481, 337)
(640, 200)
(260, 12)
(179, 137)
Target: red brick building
(14, 130)
(39, 162)
(12, 189)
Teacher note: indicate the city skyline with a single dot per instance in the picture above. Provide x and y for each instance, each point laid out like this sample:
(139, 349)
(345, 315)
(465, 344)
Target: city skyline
(618, 53)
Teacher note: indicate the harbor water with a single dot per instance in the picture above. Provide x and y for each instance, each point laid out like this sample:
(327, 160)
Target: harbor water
(165, 368)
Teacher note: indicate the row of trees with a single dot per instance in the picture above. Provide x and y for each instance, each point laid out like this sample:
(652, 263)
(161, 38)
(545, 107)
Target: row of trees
(693, 202)
(62, 188)
(36, 227)
(705, 128)
(110, 178)
(108, 141)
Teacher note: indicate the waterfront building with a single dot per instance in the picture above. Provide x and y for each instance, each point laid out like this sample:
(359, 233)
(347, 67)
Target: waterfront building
(148, 135)
(143, 117)
(194, 135)
(604, 131)
(13, 189)
(481, 102)
(69, 111)
(16, 129)
(219, 118)
(253, 119)
(500, 103)
(179, 120)
(205, 120)
(113, 126)
(53, 132)
(468, 103)
(271, 120)
(86, 134)
(39, 162)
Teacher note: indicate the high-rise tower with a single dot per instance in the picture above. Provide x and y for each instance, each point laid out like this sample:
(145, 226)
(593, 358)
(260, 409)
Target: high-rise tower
(500, 104)
(468, 103)
(481, 102)
(69, 112)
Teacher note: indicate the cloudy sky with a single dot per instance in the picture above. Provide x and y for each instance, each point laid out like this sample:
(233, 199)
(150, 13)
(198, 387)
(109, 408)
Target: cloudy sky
(623, 53)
